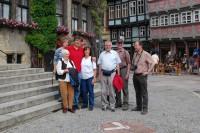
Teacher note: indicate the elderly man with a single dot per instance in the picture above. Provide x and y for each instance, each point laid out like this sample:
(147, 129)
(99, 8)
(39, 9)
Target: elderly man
(143, 64)
(108, 62)
(124, 72)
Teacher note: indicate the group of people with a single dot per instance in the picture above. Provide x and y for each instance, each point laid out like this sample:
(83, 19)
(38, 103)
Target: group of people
(110, 62)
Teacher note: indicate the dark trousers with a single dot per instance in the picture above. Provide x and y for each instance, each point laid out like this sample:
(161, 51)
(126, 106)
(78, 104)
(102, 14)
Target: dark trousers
(125, 89)
(140, 85)
(88, 91)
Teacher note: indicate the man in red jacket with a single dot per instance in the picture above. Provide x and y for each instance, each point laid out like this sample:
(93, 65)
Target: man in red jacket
(76, 55)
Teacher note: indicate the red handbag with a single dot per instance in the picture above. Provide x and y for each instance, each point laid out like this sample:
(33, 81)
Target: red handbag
(118, 83)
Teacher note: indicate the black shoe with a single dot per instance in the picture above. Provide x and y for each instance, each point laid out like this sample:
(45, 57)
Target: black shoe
(90, 108)
(136, 109)
(75, 107)
(118, 106)
(71, 110)
(84, 107)
(125, 107)
(112, 110)
(104, 108)
(144, 112)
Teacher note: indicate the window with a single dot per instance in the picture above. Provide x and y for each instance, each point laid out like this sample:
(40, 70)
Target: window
(59, 12)
(174, 19)
(128, 33)
(164, 20)
(125, 10)
(74, 17)
(5, 9)
(142, 31)
(197, 16)
(186, 17)
(132, 8)
(22, 11)
(114, 34)
(154, 21)
(117, 11)
(140, 7)
(84, 19)
(111, 12)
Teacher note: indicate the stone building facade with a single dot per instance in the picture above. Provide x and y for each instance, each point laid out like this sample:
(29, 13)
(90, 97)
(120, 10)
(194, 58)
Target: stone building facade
(174, 26)
(74, 14)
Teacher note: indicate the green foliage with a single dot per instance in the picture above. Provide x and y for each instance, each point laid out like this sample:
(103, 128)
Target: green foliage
(98, 7)
(43, 12)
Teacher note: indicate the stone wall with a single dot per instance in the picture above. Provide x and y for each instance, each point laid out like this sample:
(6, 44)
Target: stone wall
(13, 41)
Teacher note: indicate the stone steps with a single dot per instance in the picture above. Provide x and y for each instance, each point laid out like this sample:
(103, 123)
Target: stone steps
(20, 94)
(26, 71)
(15, 105)
(11, 119)
(13, 67)
(21, 78)
(27, 93)
(26, 84)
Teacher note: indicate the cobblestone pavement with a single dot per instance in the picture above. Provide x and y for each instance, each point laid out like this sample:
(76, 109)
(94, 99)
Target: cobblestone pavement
(173, 108)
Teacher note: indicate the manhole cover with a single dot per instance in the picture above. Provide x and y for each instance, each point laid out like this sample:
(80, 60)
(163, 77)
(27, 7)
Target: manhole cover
(125, 127)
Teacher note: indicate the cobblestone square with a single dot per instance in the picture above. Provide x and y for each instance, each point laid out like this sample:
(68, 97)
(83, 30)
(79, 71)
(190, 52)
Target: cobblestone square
(173, 108)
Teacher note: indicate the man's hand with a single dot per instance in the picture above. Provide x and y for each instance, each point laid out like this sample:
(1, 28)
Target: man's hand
(127, 77)
(94, 80)
(145, 73)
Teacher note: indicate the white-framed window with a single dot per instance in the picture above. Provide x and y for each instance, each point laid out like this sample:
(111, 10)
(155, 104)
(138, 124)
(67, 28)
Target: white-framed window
(5, 9)
(155, 21)
(84, 19)
(196, 15)
(132, 8)
(174, 19)
(186, 17)
(125, 10)
(164, 20)
(128, 33)
(111, 12)
(118, 11)
(140, 6)
(74, 17)
(59, 12)
(22, 11)
(114, 34)
(142, 31)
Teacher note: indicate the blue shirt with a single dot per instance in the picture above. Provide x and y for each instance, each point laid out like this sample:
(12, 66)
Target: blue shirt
(109, 60)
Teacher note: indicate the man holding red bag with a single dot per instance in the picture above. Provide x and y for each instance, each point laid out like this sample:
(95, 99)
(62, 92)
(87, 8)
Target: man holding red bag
(125, 66)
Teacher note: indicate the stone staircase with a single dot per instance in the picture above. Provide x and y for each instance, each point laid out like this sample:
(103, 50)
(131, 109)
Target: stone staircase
(26, 93)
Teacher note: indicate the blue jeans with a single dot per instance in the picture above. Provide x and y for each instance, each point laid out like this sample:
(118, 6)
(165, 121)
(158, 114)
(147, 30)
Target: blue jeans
(77, 92)
(88, 90)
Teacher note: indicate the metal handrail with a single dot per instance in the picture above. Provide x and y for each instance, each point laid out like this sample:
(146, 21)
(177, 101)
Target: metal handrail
(3, 52)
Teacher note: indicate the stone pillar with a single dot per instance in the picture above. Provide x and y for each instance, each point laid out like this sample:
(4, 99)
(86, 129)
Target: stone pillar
(13, 8)
(198, 46)
(187, 49)
(68, 14)
(80, 16)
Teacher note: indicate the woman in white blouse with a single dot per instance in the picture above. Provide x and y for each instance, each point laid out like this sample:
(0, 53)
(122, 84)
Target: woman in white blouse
(67, 92)
(88, 75)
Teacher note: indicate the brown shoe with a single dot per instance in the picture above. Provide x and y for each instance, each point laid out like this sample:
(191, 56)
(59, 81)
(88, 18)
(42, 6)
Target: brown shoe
(71, 110)
(64, 110)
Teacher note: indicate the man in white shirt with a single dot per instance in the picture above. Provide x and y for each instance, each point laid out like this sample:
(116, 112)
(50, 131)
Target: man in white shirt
(156, 61)
(108, 62)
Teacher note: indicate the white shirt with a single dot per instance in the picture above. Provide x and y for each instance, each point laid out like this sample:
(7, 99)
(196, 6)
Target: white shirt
(87, 68)
(155, 58)
(109, 60)
(60, 71)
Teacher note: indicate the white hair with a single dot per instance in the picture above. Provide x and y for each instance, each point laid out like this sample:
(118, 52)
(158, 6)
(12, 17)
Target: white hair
(64, 52)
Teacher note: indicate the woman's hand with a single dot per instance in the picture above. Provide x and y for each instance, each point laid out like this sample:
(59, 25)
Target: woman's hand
(66, 70)
(94, 80)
